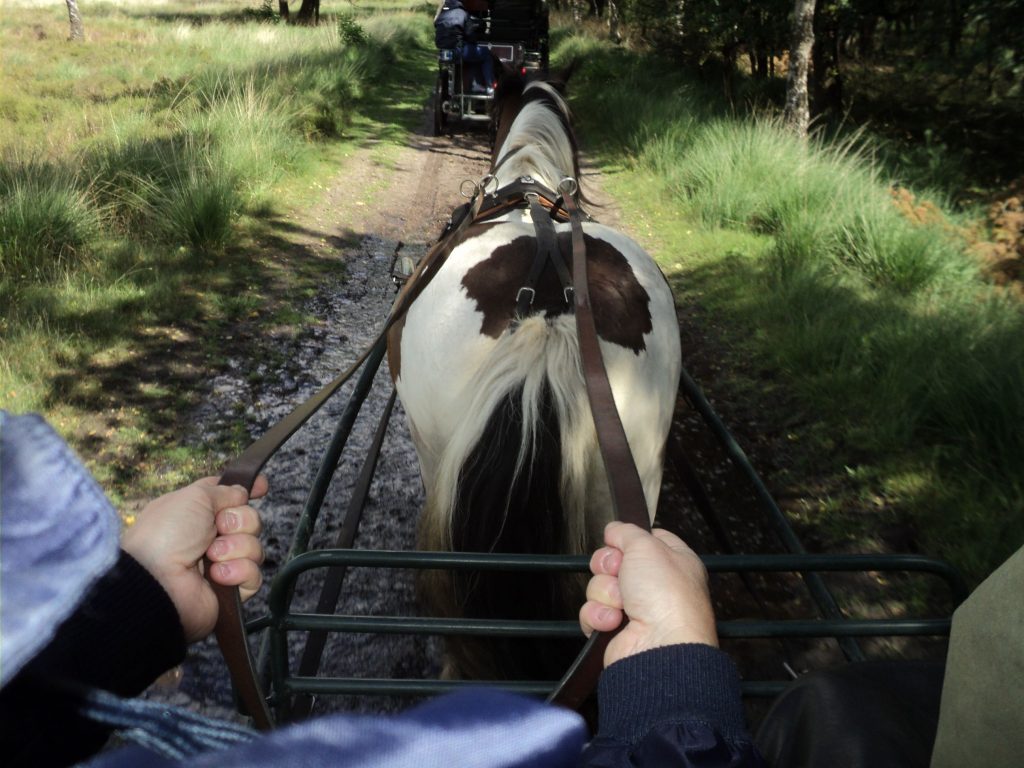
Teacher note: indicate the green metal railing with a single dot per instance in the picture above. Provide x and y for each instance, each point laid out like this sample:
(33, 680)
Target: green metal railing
(280, 621)
(290, 693)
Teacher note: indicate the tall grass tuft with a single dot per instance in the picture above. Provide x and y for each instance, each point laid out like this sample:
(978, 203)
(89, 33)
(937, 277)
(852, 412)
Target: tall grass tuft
(199, 205)
(827, 206)
(48, 219)
(247, 135)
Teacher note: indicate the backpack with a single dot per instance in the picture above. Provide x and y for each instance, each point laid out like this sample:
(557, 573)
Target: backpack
(449, 27)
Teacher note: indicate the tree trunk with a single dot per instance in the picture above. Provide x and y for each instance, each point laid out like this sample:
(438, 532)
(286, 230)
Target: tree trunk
(797, 115)
(613, 22)
(75, 19)
(577, 12)
(866, 37)
(762, 65)
(834, 91)
(729, 71)
(282, 6)
(826, 75)
(309, 13)
(677, 18)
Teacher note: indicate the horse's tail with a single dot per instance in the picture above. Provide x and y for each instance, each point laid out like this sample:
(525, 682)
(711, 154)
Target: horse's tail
(514, 478)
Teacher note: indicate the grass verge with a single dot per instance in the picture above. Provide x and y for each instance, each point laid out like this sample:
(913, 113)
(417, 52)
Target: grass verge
(896, 358)
(145, 183)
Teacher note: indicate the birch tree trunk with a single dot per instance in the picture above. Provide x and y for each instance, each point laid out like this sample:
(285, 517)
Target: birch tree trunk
(613, 22)
(75, 19)
(797, 115)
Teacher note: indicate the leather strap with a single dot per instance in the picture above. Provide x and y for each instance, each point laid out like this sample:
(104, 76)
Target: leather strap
(623, 477)
(230, 629)
(547, 251)
(627, 491)
(512, 196)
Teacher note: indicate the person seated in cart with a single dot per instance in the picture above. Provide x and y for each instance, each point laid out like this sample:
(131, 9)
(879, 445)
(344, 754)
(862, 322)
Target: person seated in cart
(84, 620)
(81, 620)
(457, 28)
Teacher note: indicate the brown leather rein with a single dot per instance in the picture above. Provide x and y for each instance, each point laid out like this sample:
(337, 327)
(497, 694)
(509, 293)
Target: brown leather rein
(623, 477)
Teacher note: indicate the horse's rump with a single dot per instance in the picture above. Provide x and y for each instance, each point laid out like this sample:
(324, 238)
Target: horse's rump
(502, 423)
(497, 403)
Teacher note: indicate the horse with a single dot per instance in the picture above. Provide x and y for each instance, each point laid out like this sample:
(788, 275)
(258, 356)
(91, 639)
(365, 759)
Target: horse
(495, 399)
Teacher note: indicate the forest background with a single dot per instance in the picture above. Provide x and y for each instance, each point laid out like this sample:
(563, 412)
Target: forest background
(864, 283)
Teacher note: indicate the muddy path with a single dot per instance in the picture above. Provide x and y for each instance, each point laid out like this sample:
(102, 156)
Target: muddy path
(378, 205)
(368, 212)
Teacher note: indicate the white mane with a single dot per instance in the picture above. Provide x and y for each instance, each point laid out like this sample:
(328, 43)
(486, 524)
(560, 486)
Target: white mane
(543, 148)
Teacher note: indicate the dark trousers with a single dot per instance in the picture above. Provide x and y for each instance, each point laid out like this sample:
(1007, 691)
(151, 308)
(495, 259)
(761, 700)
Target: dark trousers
(473, 54)
(876, 714)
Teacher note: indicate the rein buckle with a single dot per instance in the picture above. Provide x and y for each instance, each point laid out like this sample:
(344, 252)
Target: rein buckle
(519, 294)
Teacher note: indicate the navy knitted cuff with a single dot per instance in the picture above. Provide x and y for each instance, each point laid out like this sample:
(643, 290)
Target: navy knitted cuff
(678, 683)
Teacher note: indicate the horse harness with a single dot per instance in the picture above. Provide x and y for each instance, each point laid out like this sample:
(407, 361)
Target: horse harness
(623, 478)
(626, 489)
(545, 208)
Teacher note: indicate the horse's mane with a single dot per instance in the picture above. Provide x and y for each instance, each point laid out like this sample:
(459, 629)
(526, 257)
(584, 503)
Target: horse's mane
(541, 138)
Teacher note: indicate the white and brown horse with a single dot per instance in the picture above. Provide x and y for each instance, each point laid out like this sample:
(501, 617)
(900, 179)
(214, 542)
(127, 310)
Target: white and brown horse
(496, 402)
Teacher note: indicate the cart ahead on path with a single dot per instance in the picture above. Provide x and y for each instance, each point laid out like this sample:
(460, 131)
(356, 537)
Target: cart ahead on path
(514, 34)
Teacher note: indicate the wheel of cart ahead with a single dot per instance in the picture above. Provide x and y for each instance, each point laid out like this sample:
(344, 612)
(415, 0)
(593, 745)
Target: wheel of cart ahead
(441, 96)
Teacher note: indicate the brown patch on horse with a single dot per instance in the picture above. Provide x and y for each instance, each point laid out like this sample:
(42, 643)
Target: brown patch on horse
(621, 305)
(416, 287)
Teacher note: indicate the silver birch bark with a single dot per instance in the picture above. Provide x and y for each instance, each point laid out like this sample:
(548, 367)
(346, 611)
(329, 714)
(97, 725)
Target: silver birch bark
(797, 115)
(75, 19)
(613, 22)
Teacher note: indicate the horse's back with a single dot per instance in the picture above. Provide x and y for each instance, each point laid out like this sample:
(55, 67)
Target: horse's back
(453, 330)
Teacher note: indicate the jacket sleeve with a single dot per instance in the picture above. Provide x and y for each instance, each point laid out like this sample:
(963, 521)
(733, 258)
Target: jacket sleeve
(679, 706)
(121, 638)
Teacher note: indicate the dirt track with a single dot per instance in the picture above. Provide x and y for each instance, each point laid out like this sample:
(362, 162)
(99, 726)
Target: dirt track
(383, 207)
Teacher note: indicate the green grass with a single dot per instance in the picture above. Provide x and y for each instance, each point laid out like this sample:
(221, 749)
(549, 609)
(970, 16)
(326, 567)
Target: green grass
(48, 217)
(141, 171)
(903, 367)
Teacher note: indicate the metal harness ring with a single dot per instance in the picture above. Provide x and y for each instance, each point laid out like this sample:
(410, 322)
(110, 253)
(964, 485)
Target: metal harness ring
(486, 180)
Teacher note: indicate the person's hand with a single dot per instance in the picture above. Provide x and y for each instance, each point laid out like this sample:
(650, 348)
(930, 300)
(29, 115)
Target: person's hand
(173, 532)
(660, 584)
